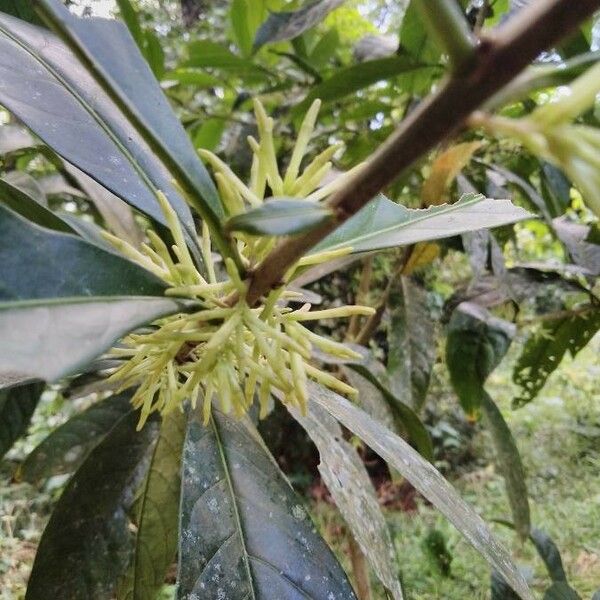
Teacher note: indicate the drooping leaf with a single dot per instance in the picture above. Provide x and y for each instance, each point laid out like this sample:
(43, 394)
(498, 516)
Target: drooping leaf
(157, 521)
(510, 465)
(115, 63)
(549, 553)
(411, 344)
(385, 224)
(477, 342)
(351, 79)
(348, 482)
(500, 590)
(287, 25)
(49, 339)
(17, 405)
(29, 205)
(86, 545)
(54, 95)
(426, 479)
(244, 533)
(545, 349)
(41, 263)
(67, 447)
(280, 216)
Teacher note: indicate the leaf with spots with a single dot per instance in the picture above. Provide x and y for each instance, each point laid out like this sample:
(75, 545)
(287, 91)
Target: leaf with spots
(157, 534)
(545, 350)
(244, 533)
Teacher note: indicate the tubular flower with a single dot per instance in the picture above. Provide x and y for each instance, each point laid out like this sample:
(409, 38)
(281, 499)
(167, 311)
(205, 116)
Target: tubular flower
(222, 353)
(549, 133)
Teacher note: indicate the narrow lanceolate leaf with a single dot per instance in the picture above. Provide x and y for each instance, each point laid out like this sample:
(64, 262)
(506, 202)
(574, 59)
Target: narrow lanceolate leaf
(510, 465)
(16, 409)
(244, 534)
(545, 350)
(500, 590)
(411, 342)
(477, 342)
(157, 521)
(40, 263)
(348, 482)
(549, 553)
(47, 88)
(111, 56)
(65, 449)
(87, 543)
(426, 479)
(287, 25)
(280, 216)
(385, 224)
(561, 591)
(49, 339)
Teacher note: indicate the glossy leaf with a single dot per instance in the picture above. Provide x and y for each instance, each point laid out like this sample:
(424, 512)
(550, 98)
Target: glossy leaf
(17, 405)
(280, 216)
(67, 447)
(545, 349)
(113, 59)
(86, 545)
(426, 479)
(157, 521)
(348, 482)
(476, 344)
(54, 95)
(510, 465)
(49, 339)
(244, 533)
(40, 263)
(351, 79)
(385, 224)
(287, 25)
(411, 343)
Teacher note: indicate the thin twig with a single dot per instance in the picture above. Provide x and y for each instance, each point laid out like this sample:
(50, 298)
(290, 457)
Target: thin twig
(501, 55)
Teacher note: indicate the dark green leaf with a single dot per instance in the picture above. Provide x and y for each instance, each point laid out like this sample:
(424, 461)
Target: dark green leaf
(476, 344)
(510, 465)
(426, 479)
(545, 350)
(21, 9)
(246, 17)
(411, 342)
(154, 54)
(16, 409)
(157, 532)
(288, 25)
(86, 545)
(385, 224)
(49, 339)
(500, 589)
(244, 533)
(67, 447)
(280, 216)
(348, 482)
(561, 591)
(549, 553)
(351, 79)
(191, 76)
(203, 53)
(130, 18)
(56, 97)
(209, 134)
(28, 205)
(40, 263)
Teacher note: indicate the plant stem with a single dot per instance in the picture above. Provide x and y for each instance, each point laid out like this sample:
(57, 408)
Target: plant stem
(450, 29)
(500, 56)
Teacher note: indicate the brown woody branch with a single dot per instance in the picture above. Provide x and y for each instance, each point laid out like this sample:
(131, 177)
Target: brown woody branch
(499, 57)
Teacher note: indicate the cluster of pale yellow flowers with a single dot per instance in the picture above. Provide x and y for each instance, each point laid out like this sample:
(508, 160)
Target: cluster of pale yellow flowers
(549, 132)
(232, 354)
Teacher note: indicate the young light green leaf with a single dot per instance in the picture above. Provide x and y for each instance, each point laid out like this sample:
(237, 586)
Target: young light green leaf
(510, 465)
(67, 447)
(204, 53)
(86, 545)
(348, 482)
(157, 526)
(287, 25)
(17, 405)
(426, 479)
(280, 216)
(385, 224)
(243, 531)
